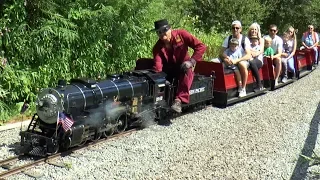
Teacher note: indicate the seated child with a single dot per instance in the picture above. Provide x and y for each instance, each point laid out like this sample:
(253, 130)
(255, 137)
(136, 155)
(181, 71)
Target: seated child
(268, 51)
(233, 53)
(256, 61)
(255, 47)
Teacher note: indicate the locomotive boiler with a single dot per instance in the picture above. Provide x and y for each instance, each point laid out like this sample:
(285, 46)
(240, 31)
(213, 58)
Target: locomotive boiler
(71, 114)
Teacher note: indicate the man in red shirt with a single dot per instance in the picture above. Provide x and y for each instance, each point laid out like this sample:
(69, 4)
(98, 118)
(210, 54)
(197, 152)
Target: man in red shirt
(171, 56)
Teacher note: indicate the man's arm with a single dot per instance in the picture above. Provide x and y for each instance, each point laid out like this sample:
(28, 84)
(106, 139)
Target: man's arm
(247, 54)
(198, 47)
(317, 40)
(222, 54)
(246, 57)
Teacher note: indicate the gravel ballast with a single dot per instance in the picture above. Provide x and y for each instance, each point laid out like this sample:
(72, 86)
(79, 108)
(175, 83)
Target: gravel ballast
(261, 138)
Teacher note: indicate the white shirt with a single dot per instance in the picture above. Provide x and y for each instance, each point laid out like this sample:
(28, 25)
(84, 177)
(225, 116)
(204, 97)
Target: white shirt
(276, 43)
(288, 47)
(257, 48)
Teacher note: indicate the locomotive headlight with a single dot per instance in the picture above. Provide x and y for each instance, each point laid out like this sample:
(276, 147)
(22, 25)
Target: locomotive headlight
(48, 105)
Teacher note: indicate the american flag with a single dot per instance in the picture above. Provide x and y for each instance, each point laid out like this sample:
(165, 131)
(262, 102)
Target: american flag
(65, 121)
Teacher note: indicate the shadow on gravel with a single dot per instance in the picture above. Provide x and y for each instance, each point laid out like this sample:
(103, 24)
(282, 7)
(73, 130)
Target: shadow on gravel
(301, 168)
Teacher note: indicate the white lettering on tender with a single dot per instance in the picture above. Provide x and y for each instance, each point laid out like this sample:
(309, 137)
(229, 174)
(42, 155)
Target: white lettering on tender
(198, 90)
(160, 98)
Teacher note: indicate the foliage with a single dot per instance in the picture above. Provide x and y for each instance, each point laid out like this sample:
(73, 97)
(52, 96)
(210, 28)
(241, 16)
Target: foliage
(220, 13)
(3, 106)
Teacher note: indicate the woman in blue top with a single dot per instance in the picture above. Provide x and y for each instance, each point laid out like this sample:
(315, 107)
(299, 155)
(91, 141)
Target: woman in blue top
(310, 40)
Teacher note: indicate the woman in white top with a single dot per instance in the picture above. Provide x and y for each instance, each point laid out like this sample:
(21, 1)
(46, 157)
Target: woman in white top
(289, 49)
(256, 62)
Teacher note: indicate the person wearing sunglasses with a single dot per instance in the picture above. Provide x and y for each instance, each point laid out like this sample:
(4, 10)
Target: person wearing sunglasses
(257, 50)
(289, 50)
(276, 45)
(242, 63)
(310, 40)
(170, 54)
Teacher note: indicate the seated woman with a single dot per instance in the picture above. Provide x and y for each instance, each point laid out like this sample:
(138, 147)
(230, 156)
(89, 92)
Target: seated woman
(310, 40)
(289, 49)
(257, 49)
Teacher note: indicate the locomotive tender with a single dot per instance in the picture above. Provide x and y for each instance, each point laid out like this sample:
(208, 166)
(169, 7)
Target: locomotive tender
(100, 109)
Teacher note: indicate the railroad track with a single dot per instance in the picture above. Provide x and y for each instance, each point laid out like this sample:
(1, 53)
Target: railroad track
(18, 169)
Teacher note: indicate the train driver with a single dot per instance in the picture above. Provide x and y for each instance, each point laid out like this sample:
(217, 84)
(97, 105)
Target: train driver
(171, 56)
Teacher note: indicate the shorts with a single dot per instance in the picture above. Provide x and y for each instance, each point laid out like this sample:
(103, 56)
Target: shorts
(235, 67)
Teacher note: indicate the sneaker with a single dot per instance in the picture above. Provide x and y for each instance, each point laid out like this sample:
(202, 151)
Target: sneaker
(243, 92)
(284, 79)
(258, 89)
(176, 106)
(239, 89)
(276, 82)
(233, 67)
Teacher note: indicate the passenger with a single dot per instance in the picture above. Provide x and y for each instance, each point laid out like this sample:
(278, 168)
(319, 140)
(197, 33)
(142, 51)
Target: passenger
(276, 45)
(171, 56)
(289, 49)
(257, 61)
(257, 49)
(233, 52)
(268, 51)
(310, 40)
(242, 62)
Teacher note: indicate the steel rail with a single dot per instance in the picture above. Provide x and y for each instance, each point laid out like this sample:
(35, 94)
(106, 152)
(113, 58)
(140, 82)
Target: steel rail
(40, 161)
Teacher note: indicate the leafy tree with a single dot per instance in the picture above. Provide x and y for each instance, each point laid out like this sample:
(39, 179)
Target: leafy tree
(219, 14)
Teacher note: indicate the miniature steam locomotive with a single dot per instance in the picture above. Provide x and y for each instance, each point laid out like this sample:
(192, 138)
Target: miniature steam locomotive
(71, 114)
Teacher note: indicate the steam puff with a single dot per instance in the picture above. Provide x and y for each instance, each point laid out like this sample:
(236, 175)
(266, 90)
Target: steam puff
(97, 116)
(148, 116)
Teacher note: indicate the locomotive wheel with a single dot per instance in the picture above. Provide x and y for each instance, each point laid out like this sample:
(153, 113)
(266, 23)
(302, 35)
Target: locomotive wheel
(66, 144)
(122, 123)
(97, 136)
(83, 142)
(56, 150)
(109, 132)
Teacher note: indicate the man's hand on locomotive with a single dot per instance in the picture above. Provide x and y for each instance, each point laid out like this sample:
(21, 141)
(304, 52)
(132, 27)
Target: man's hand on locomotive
(188, 64)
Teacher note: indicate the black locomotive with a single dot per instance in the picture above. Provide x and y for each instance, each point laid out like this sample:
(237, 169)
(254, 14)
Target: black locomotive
(100, 109)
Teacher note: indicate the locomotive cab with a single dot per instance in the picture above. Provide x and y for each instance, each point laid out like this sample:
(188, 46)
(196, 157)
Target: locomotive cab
(201, 90)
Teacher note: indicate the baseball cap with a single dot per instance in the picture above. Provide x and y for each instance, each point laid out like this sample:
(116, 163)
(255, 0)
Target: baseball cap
(234, 41)
(254, 37)
(236, 23)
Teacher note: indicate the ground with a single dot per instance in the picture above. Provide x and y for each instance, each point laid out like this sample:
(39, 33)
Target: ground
(15, 119)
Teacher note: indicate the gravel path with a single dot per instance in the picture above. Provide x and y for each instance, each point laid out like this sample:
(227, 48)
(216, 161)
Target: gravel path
(261, 138)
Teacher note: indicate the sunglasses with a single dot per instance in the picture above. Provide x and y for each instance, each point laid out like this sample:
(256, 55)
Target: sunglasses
(272, 30)
(163, 30)
(235, 28)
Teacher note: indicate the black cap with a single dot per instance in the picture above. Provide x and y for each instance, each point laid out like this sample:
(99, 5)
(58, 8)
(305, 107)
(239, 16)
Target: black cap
(161, 25)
